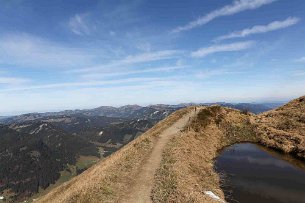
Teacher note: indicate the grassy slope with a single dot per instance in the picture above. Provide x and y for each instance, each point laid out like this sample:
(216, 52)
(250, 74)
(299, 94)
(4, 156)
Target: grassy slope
(187, 167)
(187, 170)
(109, 179)
(284, 128)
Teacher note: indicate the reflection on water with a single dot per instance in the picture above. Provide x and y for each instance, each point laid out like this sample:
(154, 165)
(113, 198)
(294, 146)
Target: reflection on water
(254, 174)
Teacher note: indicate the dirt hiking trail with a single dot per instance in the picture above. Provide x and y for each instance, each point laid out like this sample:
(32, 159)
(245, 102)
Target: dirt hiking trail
(140, 191)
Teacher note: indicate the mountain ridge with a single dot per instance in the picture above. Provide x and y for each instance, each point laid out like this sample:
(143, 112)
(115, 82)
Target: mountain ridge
(107, 134)
(131, 110)
(179, 178)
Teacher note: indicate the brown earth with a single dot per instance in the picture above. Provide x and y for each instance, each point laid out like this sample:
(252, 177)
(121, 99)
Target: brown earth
(169, 165)
(109, 179)
(187, 170)
(141, 190)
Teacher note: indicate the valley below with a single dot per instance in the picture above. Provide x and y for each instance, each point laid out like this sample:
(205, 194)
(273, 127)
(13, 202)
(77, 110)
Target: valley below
(95, 155)
(41, 151)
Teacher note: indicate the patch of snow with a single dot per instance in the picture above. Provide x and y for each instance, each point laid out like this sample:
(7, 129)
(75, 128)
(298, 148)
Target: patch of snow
(101, 133)
(22, 126)
(37, 130)
(164, 112)
(138, 120)
(213, 196)
(156, 112)
(1, 198)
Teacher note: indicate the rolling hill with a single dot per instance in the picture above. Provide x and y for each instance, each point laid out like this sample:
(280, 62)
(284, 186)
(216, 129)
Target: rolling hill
(189, 140)
(59, 145)
(38, 150)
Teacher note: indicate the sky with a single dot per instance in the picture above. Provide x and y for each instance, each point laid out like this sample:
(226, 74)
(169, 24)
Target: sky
(68, 54)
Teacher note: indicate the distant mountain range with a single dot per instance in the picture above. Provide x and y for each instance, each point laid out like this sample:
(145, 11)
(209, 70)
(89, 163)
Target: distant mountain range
(136, 111)
(180, 152)
(36, 148)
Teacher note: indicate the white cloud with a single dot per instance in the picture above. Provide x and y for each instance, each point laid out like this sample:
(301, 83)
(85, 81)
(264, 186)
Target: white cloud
(78, 24)
(133, 59)
(222, 48)
(298, 73)
(112, 33)
(7, 79)
(150, 56)
(236, 7)
(144, 47)
(13, 80)
(301, 59)
(275, 25)
(130, 72)
(82, 84)
(150, 92)
(31, 51)
(28, 50)
(210, 73)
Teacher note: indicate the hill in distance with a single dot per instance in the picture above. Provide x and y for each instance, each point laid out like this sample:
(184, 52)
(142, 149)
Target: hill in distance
(55, 146)
(39, 150)
(173, 161)
(135, 111)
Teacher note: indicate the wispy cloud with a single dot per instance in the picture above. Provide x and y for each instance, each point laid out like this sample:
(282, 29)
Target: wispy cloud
(236, 7)
(222, 48)
(301, 59)
(151, 56)
(32, 51)
(211, 73)
(275, 25)
(78, 24)
(13, 80)
(133, 59)
(130, 72)
(298, 73)
(7, 79)
(83, 84)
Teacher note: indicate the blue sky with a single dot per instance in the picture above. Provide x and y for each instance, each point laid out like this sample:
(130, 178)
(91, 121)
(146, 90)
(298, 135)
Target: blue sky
(80, 54)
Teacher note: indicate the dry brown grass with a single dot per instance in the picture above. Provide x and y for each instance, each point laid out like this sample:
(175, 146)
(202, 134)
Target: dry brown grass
(187, 167)
(284, 128)
(108, 180)
(186, 170)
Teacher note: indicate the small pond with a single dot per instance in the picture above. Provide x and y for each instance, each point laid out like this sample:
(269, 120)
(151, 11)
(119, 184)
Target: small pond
(254, 174)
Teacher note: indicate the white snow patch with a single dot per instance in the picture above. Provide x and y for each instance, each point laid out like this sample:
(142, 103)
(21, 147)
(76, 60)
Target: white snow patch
(213, 196)
(156, 112)
(37, 130)
(22, 126)
(101, 133)
(1, 198)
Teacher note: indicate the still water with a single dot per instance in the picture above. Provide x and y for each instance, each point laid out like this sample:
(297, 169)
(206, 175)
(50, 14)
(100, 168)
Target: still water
(254, 174)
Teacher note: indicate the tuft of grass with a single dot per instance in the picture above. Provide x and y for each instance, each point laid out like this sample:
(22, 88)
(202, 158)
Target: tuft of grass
(285, 124)
(238, 132)
(203, 119)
